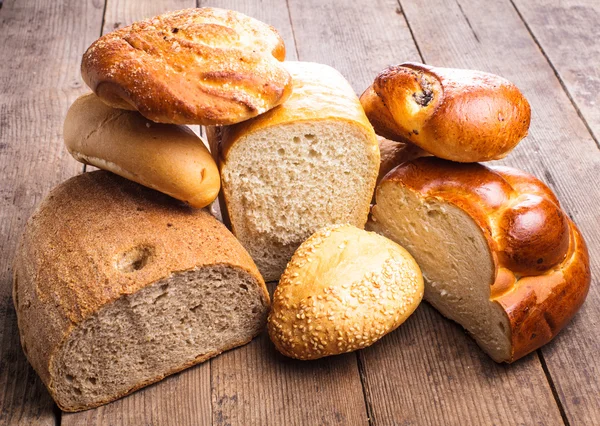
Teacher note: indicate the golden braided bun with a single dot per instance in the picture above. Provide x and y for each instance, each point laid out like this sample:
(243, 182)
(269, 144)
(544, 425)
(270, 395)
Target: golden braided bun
(498, 254)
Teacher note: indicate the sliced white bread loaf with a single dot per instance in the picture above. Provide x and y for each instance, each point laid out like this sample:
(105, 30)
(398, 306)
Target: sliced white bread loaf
(117, 286)
(308, 163)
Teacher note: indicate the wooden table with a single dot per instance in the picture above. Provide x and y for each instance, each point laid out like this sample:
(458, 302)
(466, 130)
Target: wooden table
(428, 371)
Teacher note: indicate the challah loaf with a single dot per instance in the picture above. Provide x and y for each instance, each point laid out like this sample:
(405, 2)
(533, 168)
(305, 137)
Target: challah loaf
(165, 157)
(194, 66)
(459, 115)
(498, 254)
(343, 290)
(310, 162)
(117, 286)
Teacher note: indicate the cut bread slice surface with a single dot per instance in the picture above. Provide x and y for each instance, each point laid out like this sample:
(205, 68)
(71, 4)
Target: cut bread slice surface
(163, 328)
(117, 286)
(313, 176)
(453, 253)
(308, 163)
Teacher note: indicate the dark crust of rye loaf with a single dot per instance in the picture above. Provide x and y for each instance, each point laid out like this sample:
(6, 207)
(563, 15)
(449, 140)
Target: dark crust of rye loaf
(67, 264)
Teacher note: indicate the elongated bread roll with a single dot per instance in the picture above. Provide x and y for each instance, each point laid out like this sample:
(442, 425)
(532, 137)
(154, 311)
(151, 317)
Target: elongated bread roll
(117, 286)
(165, 157)
(308, 163)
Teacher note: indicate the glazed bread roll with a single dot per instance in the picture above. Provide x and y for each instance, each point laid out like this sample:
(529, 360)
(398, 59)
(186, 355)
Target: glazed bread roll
(343, 290)
(165, 157)
(308, 163)
(459, 115)
(194, 66)
(498, 254)
(117, 286)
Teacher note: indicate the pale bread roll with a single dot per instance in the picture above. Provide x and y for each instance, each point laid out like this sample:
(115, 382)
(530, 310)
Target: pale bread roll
(165, 157)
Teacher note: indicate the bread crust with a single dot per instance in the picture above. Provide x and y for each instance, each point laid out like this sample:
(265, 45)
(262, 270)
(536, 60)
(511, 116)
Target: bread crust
(455, 114)
(319, 93)
(66, 266)
(542, 271)
(194, 66)
(343, 290)
(165, 157)
(394, 153)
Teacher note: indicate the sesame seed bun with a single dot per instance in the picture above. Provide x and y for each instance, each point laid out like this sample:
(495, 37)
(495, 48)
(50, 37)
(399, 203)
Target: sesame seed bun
(343, 290)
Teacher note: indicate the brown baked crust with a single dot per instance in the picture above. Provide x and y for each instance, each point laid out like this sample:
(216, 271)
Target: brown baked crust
(542, 263)
(455, 114)
(165, 157)
(319, 93)
(393, 153)
(194, 66)
(64, 269)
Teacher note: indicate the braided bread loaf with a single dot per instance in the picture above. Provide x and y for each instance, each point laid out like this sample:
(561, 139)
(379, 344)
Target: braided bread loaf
(195, 66)
(459, 115)
(498, 254)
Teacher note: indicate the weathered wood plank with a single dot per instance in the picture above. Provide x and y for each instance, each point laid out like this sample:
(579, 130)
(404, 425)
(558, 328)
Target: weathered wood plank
(568, 32)
(429, 371)
(41, 47)
(559, 150)
(254, 385)
(183, 399)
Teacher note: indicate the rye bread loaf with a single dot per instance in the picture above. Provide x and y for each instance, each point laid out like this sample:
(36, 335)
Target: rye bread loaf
(308, 163)
(117, 286)
(193, 66)
(166, 157)
(498, 254)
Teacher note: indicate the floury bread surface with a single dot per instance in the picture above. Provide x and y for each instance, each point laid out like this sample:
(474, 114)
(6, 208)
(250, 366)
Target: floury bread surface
(117, 286)
(308, 163)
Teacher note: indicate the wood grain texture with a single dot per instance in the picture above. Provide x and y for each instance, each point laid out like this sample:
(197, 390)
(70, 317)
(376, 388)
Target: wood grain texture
(41, 47)
(356, 39)
(254, 385)
(183, 399)
(568, 32)
(559, 150)
(379, 36)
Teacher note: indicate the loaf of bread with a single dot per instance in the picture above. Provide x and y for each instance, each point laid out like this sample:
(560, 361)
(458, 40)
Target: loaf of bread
(308, 163)
(117, 286)
(498, 254)
(165, 157)
(459, 115)
(344, 289)
(194, 66)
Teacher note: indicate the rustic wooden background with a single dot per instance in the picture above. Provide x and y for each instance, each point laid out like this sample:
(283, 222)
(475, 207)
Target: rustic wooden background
(428, 371)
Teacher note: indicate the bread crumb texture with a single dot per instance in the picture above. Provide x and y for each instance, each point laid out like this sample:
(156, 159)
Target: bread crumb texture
(343, 290)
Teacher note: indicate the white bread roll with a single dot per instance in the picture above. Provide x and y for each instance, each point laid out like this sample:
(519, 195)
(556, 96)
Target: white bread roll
(343, 290)
(310, 162)
(165, 157)
(117, 286)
